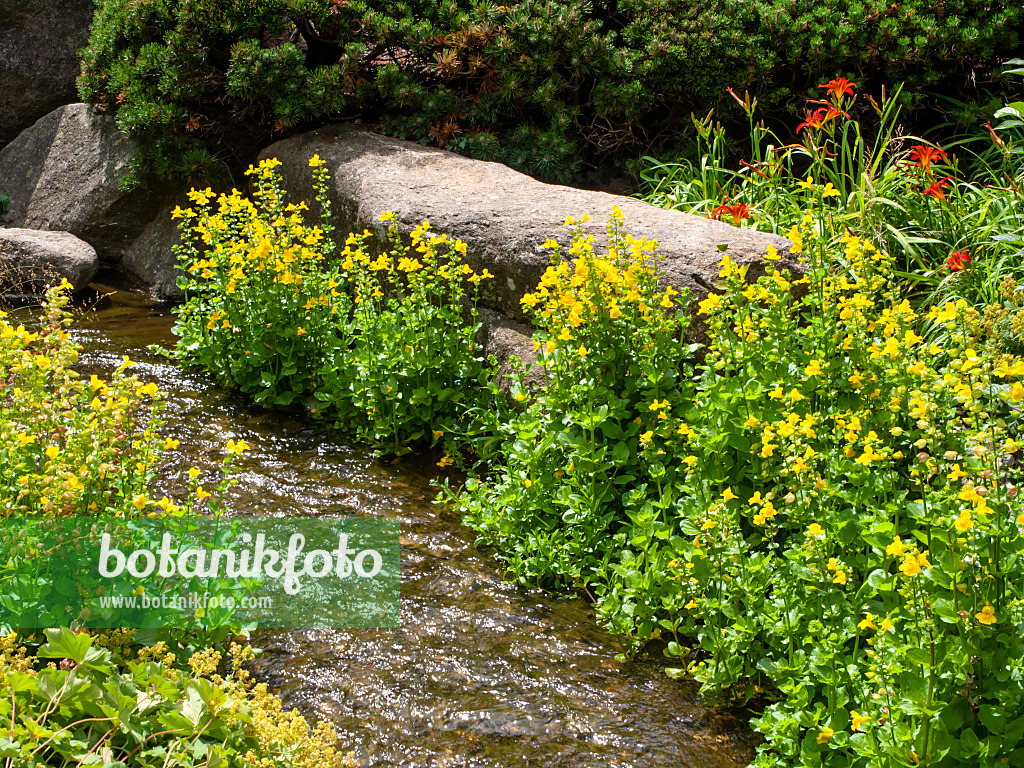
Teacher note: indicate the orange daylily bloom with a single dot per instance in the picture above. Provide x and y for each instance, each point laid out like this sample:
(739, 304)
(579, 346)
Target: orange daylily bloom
(958, 260)
(738, 211)
(936, 190)
(838, 86)
(923, 156)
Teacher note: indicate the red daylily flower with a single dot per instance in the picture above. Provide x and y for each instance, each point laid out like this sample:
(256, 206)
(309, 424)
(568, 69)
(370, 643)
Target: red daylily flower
(838, 86)
(958, 260)
(923, 156)
(819, 117)
(812, 119)
(738, 211)
(936, 190)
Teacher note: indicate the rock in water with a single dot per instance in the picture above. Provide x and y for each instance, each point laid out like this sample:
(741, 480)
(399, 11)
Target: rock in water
(151, 260)
(39, 42)
(65, 172)
(32, 260)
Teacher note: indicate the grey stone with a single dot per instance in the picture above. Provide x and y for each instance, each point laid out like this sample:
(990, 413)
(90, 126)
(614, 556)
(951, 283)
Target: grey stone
(506, 338)
(151, 258)
(503, 216)
(64, 173)
(39, 42)
(31, 260)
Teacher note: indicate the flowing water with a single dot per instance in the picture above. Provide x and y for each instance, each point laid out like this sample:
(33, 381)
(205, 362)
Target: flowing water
(481, 673)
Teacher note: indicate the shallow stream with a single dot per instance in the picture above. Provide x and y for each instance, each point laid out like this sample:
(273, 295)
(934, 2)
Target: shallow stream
(481, 673)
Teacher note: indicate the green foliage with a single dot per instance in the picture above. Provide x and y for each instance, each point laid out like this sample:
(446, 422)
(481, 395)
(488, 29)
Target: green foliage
(89, 448)
(953, 228)
(5, 203)
(378, 342)
(826, 519)
(408, 367)
(82, 700)
(262, 308)
(539, 86)
(68, 446)
(577, 463)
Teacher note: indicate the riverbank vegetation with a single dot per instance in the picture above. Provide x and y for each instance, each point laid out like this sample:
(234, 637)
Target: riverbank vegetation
(88, 448)
(816, 512)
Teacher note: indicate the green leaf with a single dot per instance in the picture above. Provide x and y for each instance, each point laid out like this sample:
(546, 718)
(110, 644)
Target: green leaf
(969, 742)
(65, 644)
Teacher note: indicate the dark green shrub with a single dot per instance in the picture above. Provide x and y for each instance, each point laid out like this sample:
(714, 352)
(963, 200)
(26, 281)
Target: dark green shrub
(543, 87)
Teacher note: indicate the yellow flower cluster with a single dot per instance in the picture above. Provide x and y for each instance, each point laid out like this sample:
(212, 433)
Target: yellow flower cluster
(68, 446)
(587, 291)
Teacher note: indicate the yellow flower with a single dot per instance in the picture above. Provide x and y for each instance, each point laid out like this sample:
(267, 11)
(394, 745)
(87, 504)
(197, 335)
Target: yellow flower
(868, 622)
(858, 720)
(96, 383)
(825, 735)
(445, 461)
(193, 473)
(829, 191)
(910, 566)
(316, 162)
(728, 495)
(52, 452)
(987, 615)
(813, 369)
(815, 530)
(300, 331)
(24, 439)
(840, 578)
(646, 436)
(709, 304)
(140, 502)
(527, 483)
(42, 361)
(200, 493)
(964, 522)
(897, 548)
(529, 300)
(148, 389)
(237, 448)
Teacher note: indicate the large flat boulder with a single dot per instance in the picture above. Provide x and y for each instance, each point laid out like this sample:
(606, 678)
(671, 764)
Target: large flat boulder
(65, 172)
(32, 260)
(39, 42)
(503, 216)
